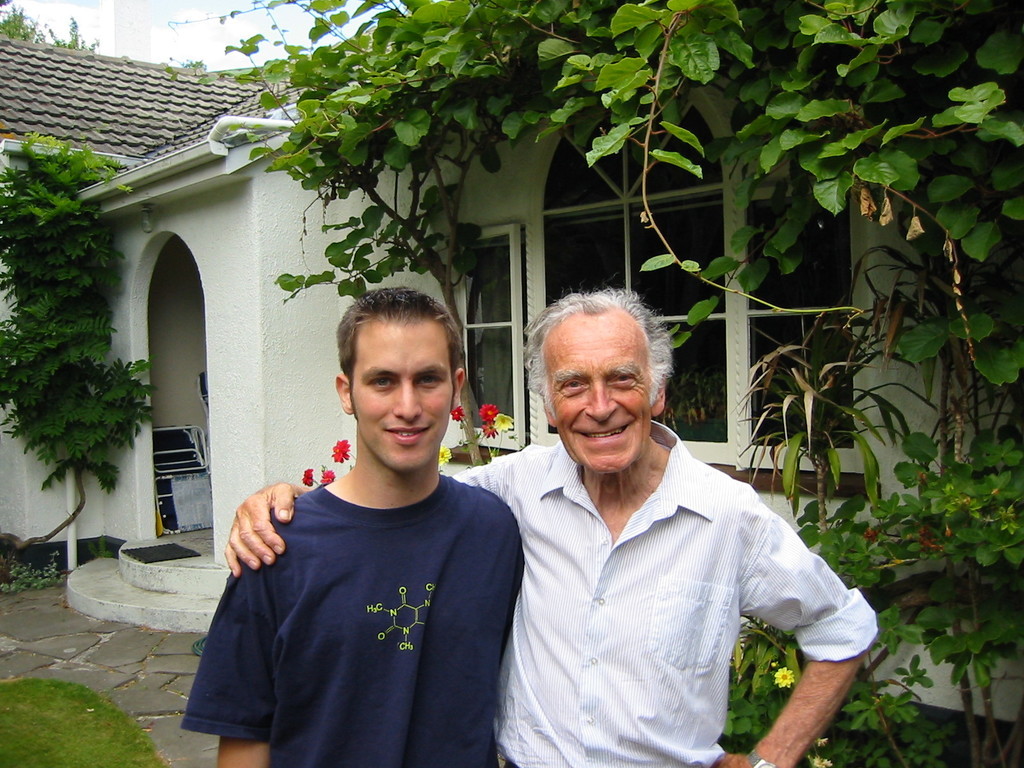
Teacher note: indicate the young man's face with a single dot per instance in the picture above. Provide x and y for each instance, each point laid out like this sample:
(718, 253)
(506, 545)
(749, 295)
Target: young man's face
(401, 392)
(598, 371)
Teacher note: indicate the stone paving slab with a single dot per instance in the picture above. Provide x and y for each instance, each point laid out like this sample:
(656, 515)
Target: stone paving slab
(197, 762)
(19, 663)
(180, 746)
(134, 644)
(99, 680)
(149, 682)
(30, 624)
(182, 685)
(144, 701)
(178, 664)
(63, 647)
(31, 598)
(176, 643)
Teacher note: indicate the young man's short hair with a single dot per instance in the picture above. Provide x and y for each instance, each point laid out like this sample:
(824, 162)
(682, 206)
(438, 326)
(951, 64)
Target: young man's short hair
(395, 305)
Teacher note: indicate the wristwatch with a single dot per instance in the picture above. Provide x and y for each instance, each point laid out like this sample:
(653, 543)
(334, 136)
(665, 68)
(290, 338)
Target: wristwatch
(756, 761)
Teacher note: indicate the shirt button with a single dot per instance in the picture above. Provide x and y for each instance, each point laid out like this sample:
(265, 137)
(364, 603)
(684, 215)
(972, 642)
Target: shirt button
(600, 601)
(593, 662)
(590, 721)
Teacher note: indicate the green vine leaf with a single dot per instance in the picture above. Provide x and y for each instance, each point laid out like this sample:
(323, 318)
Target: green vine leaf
(831, 194)
(658, 262)
(696, 55)
(1002, 53)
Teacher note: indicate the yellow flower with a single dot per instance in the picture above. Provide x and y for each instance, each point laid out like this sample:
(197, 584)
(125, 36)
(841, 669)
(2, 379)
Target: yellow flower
(444, 455)
(820, 762)
(785, 678)
(503, 422)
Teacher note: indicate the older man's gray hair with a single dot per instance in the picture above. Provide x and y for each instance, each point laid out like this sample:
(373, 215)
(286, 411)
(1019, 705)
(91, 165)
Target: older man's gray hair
(659, 343)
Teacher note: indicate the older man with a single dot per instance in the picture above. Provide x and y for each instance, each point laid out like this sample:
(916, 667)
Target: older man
(640, 563)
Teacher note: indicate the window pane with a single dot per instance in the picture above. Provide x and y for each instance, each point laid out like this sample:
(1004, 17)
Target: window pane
(571, 182)
(694, 228)
(696, 402)
(769, 333)
(583, 252)
(489, 367)
(823, 277)
(488, 286)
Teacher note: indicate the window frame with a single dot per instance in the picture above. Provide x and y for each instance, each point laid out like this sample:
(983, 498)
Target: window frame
(513, 233)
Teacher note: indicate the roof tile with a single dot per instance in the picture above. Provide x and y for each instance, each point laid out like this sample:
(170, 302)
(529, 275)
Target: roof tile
(114, 105)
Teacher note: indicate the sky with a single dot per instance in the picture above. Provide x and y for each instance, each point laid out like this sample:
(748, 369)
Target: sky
(173, 41)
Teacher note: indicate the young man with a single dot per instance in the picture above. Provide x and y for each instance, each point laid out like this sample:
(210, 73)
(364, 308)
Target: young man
(377, 641)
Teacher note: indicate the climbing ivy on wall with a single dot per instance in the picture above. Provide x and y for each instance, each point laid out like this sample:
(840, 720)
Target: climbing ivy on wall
(61, 393)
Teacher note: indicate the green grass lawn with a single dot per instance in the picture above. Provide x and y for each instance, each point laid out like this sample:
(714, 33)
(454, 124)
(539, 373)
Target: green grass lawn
(54, 724)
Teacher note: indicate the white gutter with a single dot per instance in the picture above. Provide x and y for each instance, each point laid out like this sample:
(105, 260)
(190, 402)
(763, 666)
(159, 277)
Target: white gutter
(171, 164)
(230, 123)
(16, 147)
(154, 170)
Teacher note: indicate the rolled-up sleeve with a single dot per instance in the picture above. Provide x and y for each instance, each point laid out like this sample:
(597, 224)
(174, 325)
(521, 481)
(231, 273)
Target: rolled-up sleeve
(842, 635)
(791, 588)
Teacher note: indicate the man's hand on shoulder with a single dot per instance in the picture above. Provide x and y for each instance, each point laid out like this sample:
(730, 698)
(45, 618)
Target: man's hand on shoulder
(253, 539)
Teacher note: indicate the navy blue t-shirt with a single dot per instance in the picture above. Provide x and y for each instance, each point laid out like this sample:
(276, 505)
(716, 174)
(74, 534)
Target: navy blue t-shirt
(374, 641)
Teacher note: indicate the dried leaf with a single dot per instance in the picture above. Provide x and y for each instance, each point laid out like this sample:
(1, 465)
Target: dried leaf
(886, 217)
(894, 327)
(915, 229)
(867, 203)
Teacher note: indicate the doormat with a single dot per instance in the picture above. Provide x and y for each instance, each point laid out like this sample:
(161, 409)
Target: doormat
(160, 552)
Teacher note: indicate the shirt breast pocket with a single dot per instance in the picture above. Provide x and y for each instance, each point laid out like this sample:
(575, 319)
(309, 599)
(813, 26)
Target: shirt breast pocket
(687, 622)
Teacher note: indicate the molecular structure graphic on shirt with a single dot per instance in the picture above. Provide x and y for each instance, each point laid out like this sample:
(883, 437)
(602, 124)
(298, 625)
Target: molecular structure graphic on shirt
(403, 617)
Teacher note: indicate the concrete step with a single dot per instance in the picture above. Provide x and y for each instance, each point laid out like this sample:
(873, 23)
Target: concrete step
(199, 576)
(98, 590)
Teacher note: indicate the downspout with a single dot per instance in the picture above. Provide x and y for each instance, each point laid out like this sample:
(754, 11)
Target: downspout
(72, 529)
(230, 123)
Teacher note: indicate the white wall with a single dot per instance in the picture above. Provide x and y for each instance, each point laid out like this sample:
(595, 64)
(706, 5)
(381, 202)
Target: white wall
(270, 365)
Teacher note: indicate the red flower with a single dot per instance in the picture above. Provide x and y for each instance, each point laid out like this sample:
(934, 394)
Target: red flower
(307, 477)
(458, 414)
(342, 451)
(927, 540)
(488, 413)
(327, 476)
(871, 535)
(489, 430)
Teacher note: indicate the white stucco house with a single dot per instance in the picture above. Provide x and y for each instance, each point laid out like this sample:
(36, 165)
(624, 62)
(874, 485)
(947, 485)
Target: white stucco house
(202, 244)
(205, 231)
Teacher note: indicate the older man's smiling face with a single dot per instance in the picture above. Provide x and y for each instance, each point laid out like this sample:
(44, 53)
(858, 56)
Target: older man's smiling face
(599, 381)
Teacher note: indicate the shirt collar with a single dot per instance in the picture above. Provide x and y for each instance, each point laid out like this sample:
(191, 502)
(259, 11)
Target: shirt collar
(684, 486)
(681, 487)
(563, 474)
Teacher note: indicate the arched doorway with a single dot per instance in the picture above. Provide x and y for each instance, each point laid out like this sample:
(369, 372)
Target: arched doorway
(177, 353)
